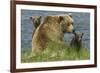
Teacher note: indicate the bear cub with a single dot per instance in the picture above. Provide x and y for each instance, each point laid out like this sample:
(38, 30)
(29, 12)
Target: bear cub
(36, 20)
(76, 41)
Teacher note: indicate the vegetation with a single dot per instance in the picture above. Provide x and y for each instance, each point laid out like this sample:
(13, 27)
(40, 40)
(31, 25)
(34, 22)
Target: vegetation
(55, 52)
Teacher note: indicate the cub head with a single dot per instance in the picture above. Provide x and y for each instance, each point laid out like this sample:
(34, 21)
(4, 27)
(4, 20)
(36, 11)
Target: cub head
(36, 20)
(67, 23)
(78, 36)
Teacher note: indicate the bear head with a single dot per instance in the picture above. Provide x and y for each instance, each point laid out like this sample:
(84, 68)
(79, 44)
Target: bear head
(36, 20)
(78, 36)
(67, 22)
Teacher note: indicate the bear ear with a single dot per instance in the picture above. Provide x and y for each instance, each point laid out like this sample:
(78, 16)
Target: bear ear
(39, 17)
(70, 14)
(31, 17)
(82, 34)
(75, 33)
(35, 17)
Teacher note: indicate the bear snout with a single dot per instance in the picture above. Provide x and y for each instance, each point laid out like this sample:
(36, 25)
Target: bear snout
(70, 28)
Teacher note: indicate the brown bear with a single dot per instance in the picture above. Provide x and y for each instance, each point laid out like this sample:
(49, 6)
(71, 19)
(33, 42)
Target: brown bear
(52, 29)
(36, 20)
(76, 41)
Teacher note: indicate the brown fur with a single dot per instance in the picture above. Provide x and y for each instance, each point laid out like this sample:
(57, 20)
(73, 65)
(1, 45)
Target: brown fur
(76, 42)
(36, 20)
(52, 29)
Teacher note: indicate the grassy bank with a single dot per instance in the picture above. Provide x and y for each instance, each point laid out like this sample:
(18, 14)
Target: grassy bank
(55, 52)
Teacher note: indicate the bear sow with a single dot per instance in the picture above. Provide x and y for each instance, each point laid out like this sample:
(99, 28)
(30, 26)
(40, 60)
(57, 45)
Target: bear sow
(51, 29)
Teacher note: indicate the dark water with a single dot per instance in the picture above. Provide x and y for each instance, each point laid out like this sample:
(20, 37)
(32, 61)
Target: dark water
(81, 24)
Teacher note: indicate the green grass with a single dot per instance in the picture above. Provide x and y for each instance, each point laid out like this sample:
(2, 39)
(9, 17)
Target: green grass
(55, 52)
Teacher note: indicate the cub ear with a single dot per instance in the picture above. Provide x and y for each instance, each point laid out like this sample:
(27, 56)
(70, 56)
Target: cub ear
(31, 17)
(35, 17)
(39, 17)
(82, 34)
(70, 14)
(75, 33)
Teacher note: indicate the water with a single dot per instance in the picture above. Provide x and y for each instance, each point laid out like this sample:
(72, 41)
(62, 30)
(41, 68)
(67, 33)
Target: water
(81, 24)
